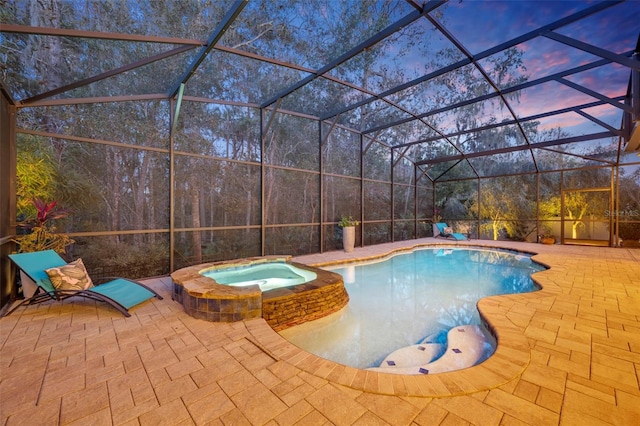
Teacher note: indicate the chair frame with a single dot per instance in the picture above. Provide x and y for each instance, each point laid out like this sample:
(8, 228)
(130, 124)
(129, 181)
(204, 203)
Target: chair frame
(441, 234)
(45, 291)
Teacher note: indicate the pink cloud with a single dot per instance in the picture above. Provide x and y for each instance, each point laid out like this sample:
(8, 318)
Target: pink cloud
(610, 80)
(563, 121)
(548, 97)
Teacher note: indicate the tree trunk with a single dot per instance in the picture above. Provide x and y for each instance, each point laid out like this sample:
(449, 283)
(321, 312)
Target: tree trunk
(113, 189)
(195, 212)
(139, 195)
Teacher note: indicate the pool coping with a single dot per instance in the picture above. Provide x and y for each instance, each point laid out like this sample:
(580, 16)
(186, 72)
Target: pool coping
(508, 362)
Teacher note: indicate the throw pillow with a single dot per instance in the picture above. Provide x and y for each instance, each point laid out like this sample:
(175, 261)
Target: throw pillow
(72, 276)
(448, 230)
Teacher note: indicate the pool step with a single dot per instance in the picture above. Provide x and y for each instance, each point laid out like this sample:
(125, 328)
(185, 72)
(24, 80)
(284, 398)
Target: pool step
(439, 337)
(414, 355)
(465, 347)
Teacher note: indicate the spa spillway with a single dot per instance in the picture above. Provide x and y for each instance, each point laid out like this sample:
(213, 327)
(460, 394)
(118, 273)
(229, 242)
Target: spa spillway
(272, 287)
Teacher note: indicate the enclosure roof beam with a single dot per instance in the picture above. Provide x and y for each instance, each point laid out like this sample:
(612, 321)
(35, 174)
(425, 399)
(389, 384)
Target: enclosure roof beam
(599, 122)
(250, 55)
(545, 144)
(399, 88)
(111, 73)
(451, 167)
(614, 57)
(400, 156)
(423, 173)
(331, 127)
(176, 113)
(372, 141)
(97, 100)
(92, 140)
(267, 125)
(584, 157)
(576, 109)
(379, 36)
(503, 46)
(486, 76)
(580, 88)
(414, 4)
(289, 65)
(511, 89)
(65, 32)
(222, 27)
(6, 93)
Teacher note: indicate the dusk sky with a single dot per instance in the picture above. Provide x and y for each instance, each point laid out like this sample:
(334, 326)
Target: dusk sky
(416, 50)
(480, 25)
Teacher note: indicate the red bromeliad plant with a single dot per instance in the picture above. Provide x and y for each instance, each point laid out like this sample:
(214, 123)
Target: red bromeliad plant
(47, 211)
(43, 235)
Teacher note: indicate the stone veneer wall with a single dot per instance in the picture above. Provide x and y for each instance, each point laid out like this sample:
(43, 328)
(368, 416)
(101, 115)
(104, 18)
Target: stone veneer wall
(218, 307)
(285, 307)
(205, 299)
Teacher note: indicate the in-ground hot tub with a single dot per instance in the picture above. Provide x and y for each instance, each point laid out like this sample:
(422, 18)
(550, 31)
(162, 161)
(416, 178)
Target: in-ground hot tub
(292, 293)
(267, 276)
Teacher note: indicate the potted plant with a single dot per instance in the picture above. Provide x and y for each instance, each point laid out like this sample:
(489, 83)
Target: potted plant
(348, 224)
(547, 236)
(39, 234)
(548, 239)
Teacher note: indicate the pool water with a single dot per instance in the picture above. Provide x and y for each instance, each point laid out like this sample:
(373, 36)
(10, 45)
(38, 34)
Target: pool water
(406, 298)
(266, 275)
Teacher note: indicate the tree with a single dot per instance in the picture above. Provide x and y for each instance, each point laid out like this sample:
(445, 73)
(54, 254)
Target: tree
(36, 175)
(504, 205)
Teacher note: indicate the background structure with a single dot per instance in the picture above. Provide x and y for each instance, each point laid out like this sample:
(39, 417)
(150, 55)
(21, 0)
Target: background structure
(184, 132)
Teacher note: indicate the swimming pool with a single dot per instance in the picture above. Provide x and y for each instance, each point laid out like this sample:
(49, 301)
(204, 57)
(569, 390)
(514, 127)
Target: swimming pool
(411, 298)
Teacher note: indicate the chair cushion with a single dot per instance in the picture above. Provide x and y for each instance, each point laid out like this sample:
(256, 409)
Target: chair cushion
(448, 230)
(72, 276)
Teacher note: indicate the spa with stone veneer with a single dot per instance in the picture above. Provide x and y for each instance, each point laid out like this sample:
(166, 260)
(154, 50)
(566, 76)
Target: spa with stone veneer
(204, 298)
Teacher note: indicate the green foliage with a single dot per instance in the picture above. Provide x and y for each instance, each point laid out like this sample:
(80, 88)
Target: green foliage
(43, 238)
(35, 178)
(123, 259)
(218, 180)
(454, 209)
(578, 205)
(630, 231)
(346, 221)
(502, 206)
(547, 232)
(41, 230)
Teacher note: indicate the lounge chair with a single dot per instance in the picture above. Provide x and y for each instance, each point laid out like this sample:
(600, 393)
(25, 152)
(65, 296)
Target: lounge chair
(444, 231)
(121, 293)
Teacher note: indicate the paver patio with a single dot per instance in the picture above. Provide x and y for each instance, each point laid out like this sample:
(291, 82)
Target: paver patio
(568, 354)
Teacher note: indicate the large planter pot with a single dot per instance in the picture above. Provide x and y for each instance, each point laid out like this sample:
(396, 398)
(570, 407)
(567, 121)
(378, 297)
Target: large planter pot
(548, 240)
(28, 286)
(348, 238)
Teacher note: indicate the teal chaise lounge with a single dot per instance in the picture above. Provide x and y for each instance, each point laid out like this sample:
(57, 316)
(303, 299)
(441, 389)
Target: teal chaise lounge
(71, 279)
(444, 231)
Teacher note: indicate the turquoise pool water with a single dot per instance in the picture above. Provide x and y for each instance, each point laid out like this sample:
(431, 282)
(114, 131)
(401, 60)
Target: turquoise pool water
(406, 298)
(268, 275)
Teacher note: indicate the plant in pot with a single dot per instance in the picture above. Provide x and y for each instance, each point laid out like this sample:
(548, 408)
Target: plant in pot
(547, 237)
(39, 233)
(348, 224)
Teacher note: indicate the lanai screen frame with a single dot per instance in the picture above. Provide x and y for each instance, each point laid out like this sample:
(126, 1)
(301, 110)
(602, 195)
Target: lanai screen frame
(270, 106)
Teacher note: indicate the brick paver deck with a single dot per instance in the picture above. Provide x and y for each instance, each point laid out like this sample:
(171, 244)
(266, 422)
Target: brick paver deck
(569, 354)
